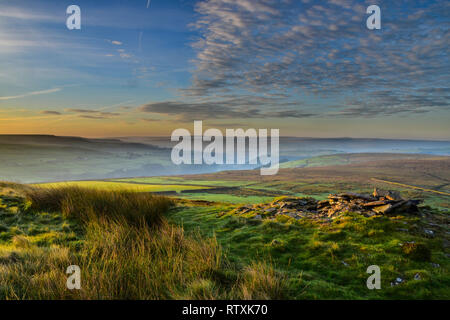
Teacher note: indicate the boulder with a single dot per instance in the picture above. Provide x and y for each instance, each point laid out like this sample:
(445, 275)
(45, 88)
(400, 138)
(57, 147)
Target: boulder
(388, 194)
(383, 209)
(381, 202)
(352, 195)
(375, 203)
(323, 203)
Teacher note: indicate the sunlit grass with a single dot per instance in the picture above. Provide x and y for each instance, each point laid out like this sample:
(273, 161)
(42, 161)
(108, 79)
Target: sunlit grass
(86, 204)
(121, 186)
(125, 249)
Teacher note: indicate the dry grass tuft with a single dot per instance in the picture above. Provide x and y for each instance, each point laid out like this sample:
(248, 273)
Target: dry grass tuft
(87, 204)
(128, 251)
(263, 282)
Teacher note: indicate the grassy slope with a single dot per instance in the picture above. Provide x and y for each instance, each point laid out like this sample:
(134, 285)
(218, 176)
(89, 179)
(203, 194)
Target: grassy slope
(184, 181)
(350, 158)
(419, 170)
(430, 173)
(330, 261)
(319, 261)
(107, 185)
(123, 245)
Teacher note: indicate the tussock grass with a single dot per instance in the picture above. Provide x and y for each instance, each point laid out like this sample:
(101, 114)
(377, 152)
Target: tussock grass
(124, 261)
(85, 204)
(34, 273)
(12, 185)
(135, 262)
(128, 251)
(262, 282)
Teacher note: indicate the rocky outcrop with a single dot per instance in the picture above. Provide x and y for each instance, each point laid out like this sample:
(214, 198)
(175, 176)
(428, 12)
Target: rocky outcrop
(379, 203)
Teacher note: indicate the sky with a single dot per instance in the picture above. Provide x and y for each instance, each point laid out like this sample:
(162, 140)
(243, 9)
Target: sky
(147, 67)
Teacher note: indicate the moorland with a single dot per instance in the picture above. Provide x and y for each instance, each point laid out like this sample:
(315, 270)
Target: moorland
(206, 236)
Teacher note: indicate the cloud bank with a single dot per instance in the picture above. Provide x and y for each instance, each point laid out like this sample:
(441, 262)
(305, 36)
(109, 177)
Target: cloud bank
(288, 50)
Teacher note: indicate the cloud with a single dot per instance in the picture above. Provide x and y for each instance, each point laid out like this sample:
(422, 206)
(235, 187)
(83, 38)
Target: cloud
(33, 93)
(80, 110)
(207, 110)
(109, 114)
(150, 120)
(389, 102)
(14, 13)
(93, 114)
(123, 54)
(125, 108)
(50, 112)
(92, 117)
(323, 49)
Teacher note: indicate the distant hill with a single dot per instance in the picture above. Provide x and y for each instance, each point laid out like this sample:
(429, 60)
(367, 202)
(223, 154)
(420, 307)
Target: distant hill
(35, 158)
(351, 158)
(50, 140)
(46, 158)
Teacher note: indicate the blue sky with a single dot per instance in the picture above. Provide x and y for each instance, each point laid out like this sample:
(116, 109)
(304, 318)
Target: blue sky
(309, 68)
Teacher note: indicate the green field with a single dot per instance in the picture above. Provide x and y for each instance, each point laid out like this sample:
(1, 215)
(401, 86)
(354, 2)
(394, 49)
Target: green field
(318, 177)
(185, 181)
(110, 185)
(225, 198)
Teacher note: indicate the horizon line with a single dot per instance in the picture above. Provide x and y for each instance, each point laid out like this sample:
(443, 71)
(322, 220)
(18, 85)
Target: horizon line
(158, 136)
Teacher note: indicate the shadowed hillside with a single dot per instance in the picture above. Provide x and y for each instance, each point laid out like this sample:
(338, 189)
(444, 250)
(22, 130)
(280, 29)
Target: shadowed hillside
(45, 158)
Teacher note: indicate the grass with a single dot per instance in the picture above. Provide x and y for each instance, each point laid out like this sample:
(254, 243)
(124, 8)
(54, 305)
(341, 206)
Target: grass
(349, 172)
(184, 181)
(120, 186)
(326, 160)
(140, 246)
(329, 261)
(86, 204)
(226, 198)
(319, 191)
(348, 158)
(122, 255)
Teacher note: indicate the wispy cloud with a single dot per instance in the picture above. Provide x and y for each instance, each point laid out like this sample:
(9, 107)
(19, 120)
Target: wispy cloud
(93, 114)
(222, 110)
(80, 110)
(115, 42)
(323, 48)
(50, 112)
(9, 12)
(33, 93)
(100, 113)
